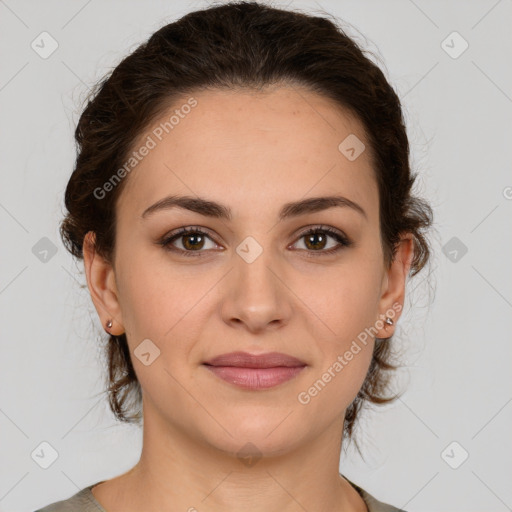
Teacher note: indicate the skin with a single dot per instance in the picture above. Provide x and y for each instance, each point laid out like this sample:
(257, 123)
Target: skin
(253, 152)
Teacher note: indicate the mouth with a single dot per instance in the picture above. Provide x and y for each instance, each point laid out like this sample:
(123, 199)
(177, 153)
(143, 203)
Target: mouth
(250, 371)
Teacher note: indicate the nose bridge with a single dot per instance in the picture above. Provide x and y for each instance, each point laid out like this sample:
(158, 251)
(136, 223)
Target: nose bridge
(256, 295)
(255, 269)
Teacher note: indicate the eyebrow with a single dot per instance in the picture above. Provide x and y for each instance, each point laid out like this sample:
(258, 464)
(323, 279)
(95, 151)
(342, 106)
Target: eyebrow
(216, 210)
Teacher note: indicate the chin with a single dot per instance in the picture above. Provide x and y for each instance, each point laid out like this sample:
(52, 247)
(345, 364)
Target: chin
(263, 439)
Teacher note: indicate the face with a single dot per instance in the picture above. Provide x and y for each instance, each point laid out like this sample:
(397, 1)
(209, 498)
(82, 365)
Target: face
(256, 280)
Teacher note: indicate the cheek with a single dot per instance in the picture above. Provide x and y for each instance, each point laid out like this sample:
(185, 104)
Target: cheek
(344, 300)
(144, 297)
(333, 387)
(162, 304)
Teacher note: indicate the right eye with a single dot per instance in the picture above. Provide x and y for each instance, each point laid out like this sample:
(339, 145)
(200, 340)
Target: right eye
(192, 240)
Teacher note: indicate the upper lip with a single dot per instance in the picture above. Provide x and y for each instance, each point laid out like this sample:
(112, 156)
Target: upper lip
(247, 360)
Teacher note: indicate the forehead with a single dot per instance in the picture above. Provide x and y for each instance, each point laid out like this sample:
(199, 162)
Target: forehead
(244, 148)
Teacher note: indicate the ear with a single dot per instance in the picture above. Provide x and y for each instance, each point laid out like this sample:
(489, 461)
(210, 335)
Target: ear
(393, 285)
(102, 286)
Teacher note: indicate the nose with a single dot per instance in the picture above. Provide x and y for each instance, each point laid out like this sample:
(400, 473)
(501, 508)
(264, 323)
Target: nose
(256, 297)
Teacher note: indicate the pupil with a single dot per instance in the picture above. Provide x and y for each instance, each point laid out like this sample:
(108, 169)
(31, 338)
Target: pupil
(312, 236)
(195, 244)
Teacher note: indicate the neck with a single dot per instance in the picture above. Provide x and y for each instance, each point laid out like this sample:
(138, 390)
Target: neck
(178, 471)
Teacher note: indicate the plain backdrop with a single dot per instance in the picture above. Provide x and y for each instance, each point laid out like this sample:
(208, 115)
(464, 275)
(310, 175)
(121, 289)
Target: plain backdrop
(444, 445)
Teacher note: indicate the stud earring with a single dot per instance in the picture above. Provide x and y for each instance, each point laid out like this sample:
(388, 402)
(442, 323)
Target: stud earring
(109, 324)
(389, 321)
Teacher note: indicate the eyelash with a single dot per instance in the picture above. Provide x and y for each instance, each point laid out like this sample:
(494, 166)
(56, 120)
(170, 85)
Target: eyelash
(343, 241)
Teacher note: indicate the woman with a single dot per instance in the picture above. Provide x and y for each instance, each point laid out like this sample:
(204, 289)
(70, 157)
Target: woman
(242, 203)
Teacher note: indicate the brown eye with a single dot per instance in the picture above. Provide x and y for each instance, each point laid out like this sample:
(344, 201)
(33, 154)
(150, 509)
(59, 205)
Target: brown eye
(192, 241)
(316, 240)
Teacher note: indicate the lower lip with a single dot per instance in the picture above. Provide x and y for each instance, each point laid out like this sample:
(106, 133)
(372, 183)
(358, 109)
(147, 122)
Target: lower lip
(255, 378)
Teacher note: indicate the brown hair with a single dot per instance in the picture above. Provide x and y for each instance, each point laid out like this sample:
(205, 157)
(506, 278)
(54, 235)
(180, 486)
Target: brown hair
(239, 45)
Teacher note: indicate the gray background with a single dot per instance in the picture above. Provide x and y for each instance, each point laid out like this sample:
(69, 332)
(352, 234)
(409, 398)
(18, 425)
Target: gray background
(455, 329)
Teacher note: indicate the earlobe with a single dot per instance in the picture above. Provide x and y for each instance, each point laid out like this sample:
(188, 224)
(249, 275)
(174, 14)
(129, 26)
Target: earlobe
(392, 299)
(101, 283)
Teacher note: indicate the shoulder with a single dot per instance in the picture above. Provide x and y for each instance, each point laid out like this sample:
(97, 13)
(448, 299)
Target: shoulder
(82, 501)
(373, 504)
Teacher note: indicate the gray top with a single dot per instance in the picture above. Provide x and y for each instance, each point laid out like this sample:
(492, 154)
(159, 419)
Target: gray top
(84, 501)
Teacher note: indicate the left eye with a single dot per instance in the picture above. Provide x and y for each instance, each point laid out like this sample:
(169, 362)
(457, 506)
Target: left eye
(315, 240)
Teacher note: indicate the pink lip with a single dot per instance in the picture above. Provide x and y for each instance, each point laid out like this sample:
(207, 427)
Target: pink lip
(251, 371)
